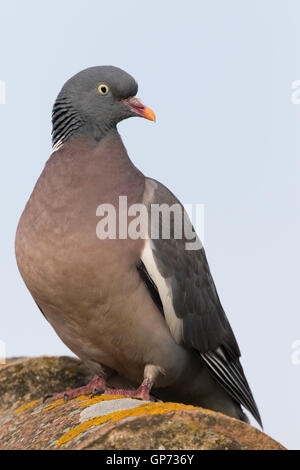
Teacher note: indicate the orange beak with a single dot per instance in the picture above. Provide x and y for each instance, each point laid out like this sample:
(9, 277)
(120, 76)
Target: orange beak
(149, 114)
(139, 108)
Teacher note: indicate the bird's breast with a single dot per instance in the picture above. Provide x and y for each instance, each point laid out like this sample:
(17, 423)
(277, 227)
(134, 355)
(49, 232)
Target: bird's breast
(58, 251)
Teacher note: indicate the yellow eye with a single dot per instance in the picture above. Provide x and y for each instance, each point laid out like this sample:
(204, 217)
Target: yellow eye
(103, 89)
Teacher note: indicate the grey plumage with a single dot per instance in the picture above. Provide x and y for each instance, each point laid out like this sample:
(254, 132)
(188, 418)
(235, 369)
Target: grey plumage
(205, 327)
(147, 309)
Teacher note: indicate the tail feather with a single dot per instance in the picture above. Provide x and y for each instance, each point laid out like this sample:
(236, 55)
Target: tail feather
(229, 373)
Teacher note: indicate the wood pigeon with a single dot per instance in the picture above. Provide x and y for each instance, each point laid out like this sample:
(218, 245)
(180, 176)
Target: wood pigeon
(144, 307)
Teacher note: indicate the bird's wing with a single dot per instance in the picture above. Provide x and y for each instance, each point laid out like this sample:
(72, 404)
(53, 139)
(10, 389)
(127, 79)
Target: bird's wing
(182, 286)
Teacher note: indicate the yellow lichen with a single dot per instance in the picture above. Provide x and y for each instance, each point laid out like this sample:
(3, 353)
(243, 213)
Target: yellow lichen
(81, 398)
(142, 410)
(87, 401)
(98, 399)
(54, 405)
(25, 407)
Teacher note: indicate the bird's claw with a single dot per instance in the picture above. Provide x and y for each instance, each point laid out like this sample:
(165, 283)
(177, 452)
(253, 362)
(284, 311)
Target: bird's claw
(47, 397)
(97, 392)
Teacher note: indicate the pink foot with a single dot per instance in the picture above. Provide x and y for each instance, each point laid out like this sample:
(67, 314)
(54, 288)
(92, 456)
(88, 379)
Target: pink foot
(96, 385)
(142, 393)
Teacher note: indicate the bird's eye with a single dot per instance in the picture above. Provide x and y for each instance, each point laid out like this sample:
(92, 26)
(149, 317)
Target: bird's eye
(103, 89)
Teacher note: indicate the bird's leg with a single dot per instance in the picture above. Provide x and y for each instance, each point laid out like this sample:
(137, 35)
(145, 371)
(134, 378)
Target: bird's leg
(141, 393)
(97, 384)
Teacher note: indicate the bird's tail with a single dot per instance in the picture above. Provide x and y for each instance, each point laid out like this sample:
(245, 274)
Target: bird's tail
(229, 373)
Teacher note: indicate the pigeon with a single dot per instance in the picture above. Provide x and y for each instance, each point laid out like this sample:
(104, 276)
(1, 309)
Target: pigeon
(137, 301)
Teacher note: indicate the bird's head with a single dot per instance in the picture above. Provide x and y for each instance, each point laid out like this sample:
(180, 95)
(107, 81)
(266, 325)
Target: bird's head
(93, 102)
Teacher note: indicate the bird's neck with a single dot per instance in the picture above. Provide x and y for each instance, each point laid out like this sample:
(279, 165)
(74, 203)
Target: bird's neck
(103, 171)
(68, 122)
(106, 159)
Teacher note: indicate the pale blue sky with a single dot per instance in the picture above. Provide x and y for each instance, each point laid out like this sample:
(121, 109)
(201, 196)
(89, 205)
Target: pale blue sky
(218, 74)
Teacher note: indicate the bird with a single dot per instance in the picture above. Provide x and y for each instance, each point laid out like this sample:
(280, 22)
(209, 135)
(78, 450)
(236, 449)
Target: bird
(144, 307)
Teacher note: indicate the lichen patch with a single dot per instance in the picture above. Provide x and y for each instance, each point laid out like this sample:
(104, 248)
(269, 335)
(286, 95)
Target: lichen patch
(142, 410)
(107, 407)
(26, 406)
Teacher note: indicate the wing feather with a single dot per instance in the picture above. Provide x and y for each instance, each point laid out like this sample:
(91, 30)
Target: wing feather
(195, 303)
